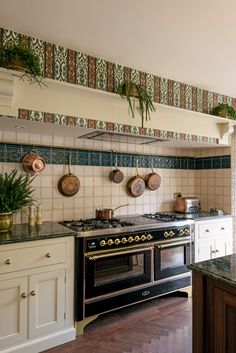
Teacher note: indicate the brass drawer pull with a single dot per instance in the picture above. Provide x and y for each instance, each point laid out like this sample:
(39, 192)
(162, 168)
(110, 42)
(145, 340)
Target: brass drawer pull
(8, 262)
(23, 295)
(33, 293)
(48, 255)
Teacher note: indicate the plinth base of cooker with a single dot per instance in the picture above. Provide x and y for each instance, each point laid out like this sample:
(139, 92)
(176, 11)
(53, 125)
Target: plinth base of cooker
(80, 325)
(187, 290)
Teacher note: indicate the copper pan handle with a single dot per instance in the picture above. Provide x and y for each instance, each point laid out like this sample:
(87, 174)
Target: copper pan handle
(116, 208)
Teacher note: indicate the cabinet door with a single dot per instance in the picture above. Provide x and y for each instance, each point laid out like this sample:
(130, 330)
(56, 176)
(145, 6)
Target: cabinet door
(13, 311)
(220, 247)
(46, 302)
(205, 250)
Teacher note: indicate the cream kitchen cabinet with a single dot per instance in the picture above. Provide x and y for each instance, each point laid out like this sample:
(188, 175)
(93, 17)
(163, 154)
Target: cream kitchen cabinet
(212, 238)
(36, 295)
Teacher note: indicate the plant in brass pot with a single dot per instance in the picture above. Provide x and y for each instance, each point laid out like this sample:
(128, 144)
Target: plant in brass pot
(15, 193)
(22, 58)
(130, 91)
(224, 110)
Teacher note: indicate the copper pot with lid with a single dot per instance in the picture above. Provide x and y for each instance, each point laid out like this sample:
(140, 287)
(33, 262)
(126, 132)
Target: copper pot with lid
(33, 162)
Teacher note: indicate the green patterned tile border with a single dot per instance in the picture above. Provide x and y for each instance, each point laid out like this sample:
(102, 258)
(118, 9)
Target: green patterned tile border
(14, 153)
(66, 120)
(71, 66)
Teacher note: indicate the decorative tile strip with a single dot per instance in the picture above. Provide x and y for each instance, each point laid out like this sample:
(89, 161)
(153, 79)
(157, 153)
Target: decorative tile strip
(63, 64)
(54, 155)
(54, 118)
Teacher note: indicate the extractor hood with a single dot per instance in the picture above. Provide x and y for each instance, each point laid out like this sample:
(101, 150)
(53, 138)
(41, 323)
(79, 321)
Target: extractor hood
(120, 137)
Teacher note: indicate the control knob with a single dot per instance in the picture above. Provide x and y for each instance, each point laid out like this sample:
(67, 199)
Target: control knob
(143, 237)
(102, 243)
(181, 231)
(137, 238)
(130, 239)
(166, 234)
(186, 231)
(149, 237)
(171, 233)
(117, 241)
(124, 240)
(110, 242)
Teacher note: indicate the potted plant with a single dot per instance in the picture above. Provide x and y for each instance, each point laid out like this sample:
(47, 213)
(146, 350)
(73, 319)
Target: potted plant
(130, 89)
(22, 58)
(224, 110)
(15, 193)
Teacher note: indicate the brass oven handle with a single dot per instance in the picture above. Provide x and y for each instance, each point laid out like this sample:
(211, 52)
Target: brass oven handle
(173, 244)
(96, 257)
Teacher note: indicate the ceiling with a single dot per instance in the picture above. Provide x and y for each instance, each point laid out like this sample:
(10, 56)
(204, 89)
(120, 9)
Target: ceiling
(189, 41)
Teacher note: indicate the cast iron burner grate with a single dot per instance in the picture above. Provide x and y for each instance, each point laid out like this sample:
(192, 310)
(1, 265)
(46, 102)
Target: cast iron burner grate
(165, 217)
(94, 224)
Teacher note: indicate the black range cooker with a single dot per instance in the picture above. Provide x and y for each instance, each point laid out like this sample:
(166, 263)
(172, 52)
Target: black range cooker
(128, 260)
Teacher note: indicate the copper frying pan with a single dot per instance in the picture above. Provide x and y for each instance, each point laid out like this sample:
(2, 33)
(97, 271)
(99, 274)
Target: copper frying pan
(68, 185)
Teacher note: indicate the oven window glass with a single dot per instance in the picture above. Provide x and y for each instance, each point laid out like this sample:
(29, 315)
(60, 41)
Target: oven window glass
(172, 257)
(109, 270)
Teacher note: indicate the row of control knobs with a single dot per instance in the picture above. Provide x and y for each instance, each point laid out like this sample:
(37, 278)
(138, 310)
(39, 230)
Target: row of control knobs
(124, 240)
(181, 232)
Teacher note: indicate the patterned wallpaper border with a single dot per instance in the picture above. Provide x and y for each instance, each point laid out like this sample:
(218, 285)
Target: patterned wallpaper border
(13, 153)
(66, 120)
(72, 66)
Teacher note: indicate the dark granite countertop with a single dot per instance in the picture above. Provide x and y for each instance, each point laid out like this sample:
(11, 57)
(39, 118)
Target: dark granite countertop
(24, 232)
(222, 269)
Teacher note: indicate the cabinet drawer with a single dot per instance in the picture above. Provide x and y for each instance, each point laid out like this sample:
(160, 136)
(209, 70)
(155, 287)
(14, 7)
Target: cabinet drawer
(214, 229)
(30, 257)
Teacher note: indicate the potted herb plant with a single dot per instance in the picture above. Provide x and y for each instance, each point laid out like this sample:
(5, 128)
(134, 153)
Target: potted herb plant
(224, 110)
(133, 90)
(22, 58)
(15, 193)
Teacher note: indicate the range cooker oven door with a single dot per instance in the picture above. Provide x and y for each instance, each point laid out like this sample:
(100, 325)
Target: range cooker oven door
(171, 259)
(109, 272)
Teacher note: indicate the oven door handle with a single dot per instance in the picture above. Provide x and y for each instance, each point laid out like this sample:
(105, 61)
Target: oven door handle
(173, 244)
(96, 257)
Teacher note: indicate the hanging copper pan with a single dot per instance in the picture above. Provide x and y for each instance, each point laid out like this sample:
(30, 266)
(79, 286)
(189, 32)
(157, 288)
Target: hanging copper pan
(33, 162)
(116, 175)
(136, 185)
(68, 185)
(152, 180)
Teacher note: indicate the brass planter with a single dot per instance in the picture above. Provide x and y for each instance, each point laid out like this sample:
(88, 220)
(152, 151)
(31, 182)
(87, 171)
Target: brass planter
(6, 221)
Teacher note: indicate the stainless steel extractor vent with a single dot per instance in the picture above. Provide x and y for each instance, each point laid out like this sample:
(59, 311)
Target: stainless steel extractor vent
(120, 137)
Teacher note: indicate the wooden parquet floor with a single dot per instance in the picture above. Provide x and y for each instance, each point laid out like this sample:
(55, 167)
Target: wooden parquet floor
(162, 325)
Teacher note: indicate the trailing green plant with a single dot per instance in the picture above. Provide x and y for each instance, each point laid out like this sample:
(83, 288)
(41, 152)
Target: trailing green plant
(129, 90)
(15, 191)
(225, 110)
(15, 55)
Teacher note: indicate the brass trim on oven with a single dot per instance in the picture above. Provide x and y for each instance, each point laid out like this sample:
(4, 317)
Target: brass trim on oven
(127, 251)
(173, 244)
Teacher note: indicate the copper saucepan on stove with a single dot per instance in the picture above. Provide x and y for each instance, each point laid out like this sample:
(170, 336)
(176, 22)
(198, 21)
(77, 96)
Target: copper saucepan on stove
(106, 214)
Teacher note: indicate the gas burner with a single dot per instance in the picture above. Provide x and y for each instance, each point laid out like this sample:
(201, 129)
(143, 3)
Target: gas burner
(83, 225)
(165, 217)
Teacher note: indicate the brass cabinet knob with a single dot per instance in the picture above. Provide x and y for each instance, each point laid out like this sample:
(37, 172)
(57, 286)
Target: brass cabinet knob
(23, 295)
(33, 293)
(213, 251)
(217, 250)
(207, 230)
(48, 255)
(8, 262)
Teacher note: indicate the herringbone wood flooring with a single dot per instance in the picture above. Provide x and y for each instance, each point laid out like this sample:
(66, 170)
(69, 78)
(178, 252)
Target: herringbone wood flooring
(162, 325)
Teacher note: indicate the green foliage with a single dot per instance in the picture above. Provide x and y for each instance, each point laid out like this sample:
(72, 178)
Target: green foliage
(25, 57)
(127, 89)
(224, 110)
(15, 191)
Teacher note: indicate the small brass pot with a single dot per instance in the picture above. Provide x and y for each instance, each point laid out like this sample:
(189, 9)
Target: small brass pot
(6, 221)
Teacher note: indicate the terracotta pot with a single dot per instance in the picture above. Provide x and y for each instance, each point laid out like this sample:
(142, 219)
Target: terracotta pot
(33, 162)
(6, 221)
